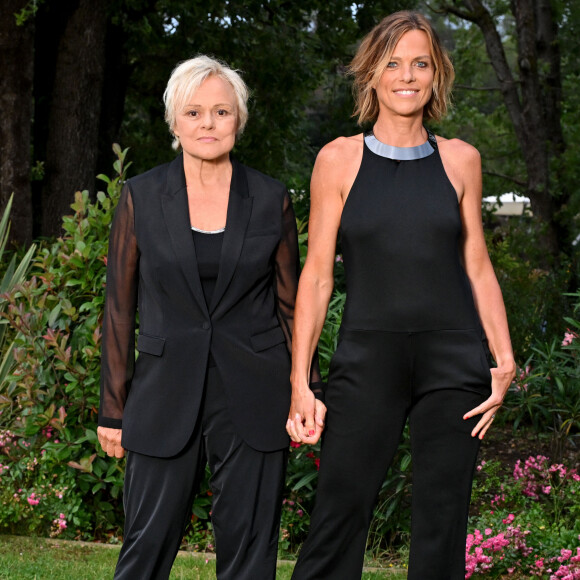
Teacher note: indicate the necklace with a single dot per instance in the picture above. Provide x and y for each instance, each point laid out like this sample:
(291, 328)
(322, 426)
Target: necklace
(398, 153)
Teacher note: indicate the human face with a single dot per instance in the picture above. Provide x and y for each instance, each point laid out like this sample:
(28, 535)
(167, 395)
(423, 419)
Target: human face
(206, 124)
(406, 84)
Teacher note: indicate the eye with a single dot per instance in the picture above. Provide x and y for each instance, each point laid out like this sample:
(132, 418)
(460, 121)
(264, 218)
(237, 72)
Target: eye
(422, 64)
(392, 64)
(223, 112)
(191, 114)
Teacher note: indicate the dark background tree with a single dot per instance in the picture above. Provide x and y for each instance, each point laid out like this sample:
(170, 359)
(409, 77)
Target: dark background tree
(532, 93)
(16, 80)
(95, 73)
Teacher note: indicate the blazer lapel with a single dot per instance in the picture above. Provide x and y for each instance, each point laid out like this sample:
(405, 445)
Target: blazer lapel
(176, 215)
(238, 216)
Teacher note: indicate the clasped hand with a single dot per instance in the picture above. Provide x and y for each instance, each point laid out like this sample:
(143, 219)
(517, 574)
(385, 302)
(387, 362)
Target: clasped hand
(306, 417)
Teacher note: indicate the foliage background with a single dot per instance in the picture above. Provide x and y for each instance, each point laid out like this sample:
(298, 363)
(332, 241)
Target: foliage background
(292, 54)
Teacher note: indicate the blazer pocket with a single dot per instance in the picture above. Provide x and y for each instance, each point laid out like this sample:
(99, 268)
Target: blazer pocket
(267, 339)
(150, 344)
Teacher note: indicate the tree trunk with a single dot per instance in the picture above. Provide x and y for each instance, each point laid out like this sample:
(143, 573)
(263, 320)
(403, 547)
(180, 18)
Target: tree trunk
(17, 57)
(533, 101)
(75, 108)
(117, 73)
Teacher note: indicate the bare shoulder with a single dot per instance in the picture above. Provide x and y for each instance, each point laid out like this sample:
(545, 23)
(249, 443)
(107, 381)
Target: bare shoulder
(341, 150)
(456, 151)
(337, 165)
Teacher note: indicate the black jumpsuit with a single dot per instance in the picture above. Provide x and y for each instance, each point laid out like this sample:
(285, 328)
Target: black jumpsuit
(411, 346)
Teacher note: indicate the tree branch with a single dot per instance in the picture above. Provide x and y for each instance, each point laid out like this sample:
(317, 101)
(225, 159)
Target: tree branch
(468, 88)
(520, 182)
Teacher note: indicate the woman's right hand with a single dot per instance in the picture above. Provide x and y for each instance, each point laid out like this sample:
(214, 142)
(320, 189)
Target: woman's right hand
(110, 440)
(306, 417)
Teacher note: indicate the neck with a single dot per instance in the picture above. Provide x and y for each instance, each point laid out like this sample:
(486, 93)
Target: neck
(400, 131)
(207, 171)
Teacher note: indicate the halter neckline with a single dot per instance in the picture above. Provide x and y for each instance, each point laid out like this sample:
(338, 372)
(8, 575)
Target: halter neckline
(400, 153)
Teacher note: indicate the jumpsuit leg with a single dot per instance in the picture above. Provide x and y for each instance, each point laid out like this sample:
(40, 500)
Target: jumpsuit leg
(158, 496)
(247, 488)
(451, 377)
(367, 401)
(444, 457)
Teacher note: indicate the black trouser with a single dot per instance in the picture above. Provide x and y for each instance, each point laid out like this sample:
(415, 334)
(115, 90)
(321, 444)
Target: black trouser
(247, 492)
(377, 381)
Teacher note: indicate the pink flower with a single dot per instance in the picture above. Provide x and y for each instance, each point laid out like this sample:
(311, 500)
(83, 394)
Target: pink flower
(32, 500)
(569, 337)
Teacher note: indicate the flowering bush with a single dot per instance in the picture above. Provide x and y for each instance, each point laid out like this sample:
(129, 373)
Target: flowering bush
(546, 391)
(531, 527)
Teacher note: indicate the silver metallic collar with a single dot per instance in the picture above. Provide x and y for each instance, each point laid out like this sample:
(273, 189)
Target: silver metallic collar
(398, 153)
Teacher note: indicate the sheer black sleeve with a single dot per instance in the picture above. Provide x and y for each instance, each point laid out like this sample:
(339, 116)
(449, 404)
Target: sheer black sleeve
(118, 345)
(286, 286)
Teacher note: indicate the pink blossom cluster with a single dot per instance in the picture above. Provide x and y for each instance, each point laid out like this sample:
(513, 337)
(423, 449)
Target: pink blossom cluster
(3, 468)
(480, 548)
(537, 476)
(569, 337)
(567, 563)
(520, 380)
(32, 499)
(290, 507)
(6, 441)
(570, 565)
(58, 525)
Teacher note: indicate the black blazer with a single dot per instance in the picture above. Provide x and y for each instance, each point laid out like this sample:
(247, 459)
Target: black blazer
(152, 271)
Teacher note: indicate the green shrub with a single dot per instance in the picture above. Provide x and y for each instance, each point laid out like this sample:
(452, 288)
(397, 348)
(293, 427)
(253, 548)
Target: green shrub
(546, 392)
(49, 402)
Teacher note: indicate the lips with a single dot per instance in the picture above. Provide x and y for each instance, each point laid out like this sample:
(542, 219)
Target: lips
(406, 92)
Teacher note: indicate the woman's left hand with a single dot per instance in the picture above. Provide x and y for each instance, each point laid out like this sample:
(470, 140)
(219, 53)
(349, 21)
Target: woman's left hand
(501, 379)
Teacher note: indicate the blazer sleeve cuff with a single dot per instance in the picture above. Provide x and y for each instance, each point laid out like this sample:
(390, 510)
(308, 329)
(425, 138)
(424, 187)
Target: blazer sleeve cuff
(110, 423)
(318, 389)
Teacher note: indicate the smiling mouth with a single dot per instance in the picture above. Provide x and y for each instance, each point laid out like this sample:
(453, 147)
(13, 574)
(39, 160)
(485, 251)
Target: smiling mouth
(406, 92)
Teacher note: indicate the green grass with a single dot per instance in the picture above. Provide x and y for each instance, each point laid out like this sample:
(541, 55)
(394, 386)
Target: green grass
(24, 558)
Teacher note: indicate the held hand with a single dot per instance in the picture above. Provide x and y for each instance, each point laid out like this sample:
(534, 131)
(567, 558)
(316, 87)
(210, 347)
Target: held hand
(306, 418)
(501, 379)
(110, 440)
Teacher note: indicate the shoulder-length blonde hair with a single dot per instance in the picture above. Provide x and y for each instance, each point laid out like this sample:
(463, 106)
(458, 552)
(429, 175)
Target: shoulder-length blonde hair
(374, 53)
(188, 76)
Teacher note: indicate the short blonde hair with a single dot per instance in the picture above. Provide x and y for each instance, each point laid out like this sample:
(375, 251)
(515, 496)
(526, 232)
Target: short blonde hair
(374, 53)
(188, 76)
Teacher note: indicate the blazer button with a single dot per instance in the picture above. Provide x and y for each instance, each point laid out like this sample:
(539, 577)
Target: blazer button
(205, 325)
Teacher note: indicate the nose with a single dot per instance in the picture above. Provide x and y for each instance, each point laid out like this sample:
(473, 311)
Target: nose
(208, 121)
(407, 73)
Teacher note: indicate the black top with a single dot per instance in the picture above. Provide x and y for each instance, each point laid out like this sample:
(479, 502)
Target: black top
(208, 248)
(401, 232)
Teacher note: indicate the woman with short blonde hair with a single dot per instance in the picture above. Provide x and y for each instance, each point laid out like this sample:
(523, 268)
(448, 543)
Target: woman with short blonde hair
(188, 76)
(205, 250)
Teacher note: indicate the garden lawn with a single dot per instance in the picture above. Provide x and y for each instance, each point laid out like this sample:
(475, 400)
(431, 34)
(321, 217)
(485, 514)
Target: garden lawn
(24, 558)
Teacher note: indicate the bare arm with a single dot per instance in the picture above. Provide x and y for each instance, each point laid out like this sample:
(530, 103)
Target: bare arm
(465, 173)
(331, 180)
